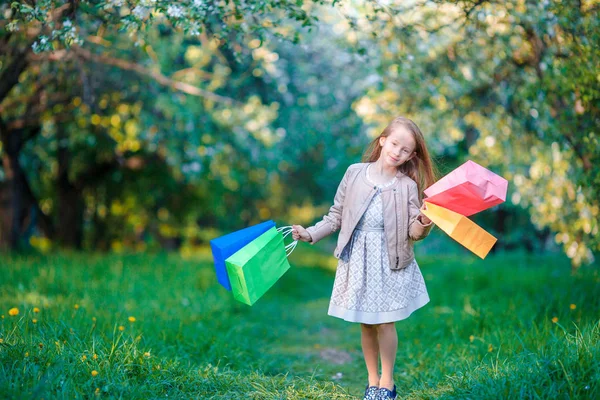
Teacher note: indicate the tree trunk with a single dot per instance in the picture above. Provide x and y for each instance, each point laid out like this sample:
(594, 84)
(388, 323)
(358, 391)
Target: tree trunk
(18, 204)
(6, 214)
(70, 201)
(14, 203)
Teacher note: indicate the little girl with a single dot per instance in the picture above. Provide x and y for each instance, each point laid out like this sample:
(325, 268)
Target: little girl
(377, 209)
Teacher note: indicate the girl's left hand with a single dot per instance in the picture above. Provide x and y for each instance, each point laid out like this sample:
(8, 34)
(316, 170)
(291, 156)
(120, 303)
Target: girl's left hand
(423, 219)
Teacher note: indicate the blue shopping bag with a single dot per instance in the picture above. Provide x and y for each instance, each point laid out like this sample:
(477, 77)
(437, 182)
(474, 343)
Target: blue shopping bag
(225, 246)
(255, 268)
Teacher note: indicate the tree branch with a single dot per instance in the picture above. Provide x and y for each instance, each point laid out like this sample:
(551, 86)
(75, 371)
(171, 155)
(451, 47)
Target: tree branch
(155, 75)
(3, 130)
(469, 10)
(11, 74)
(10, 77)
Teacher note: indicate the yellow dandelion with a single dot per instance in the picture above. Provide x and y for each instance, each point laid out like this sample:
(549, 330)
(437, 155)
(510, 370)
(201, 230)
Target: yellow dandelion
(471, 338)
(83, 357)
(95, 356)
(572, 306)
(555, 319)
(97, 391)
(2, 316)
(121, 328)
(76, 306)
(131, 319)
(94, 373)
(34, 321)
(36, 310)
(147, 354)
(13, 311)
(27, 354)
(94, 319)
(1, 340)
(490, 348)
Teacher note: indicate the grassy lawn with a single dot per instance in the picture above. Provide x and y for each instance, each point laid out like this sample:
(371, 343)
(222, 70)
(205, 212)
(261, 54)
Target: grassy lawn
(160, 326)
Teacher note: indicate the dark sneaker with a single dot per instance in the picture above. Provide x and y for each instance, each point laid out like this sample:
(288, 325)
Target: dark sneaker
(386, 394)
(371, 393)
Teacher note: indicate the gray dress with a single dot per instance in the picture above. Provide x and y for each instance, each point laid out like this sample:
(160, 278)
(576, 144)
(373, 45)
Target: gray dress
(365, 289)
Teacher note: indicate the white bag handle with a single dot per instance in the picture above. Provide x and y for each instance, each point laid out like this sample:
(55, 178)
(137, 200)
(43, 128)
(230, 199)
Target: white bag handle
(285, 231)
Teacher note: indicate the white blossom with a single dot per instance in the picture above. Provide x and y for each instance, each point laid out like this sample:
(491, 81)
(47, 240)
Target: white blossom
(140, 12)
(71, 37)
(13, 26)
(41, 45)
(175, 11)
(194, 29)
(130, 26)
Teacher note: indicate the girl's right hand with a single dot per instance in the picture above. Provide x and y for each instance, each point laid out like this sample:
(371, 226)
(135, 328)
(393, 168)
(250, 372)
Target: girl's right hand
(299, 233)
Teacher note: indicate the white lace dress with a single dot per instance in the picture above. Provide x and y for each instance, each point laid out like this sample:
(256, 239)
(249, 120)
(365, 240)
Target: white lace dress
(365, 289)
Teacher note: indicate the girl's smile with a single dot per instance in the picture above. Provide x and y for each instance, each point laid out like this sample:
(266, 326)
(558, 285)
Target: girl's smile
(396, 149)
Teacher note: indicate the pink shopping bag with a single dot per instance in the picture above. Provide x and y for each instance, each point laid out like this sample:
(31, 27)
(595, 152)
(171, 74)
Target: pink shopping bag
(468, 189)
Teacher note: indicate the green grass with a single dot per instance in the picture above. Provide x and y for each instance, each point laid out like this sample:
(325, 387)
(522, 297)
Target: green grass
(487, 332)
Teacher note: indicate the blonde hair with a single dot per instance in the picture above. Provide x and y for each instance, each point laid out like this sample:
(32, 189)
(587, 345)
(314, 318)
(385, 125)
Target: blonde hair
(421, 167)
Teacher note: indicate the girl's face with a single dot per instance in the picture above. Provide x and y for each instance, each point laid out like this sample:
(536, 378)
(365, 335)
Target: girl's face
(398, 147)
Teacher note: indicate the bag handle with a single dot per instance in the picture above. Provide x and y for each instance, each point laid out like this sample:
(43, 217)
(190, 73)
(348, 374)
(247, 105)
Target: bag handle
(285, 231)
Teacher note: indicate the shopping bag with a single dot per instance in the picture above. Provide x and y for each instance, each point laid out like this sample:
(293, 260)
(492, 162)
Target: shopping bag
(227, 245)
(255, 268)
(460, 228)
(468, 189)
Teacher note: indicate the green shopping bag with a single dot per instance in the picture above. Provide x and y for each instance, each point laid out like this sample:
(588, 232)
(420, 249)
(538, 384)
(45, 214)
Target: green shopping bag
(256, 267)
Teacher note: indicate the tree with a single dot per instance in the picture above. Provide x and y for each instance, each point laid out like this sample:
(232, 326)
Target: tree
(45, 40)
(514, 83)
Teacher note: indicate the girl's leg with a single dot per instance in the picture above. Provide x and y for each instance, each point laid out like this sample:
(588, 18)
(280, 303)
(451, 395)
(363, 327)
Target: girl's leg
(388, 346)
(370, 346)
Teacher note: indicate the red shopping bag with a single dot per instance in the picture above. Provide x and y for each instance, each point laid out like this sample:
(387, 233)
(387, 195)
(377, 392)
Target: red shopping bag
(468, 189)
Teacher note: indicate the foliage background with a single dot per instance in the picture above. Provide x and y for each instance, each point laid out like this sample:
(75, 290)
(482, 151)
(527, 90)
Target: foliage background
(134, 131)
(145, 124)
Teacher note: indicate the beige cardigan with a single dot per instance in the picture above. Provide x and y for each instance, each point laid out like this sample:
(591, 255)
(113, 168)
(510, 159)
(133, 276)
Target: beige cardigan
(400, 211)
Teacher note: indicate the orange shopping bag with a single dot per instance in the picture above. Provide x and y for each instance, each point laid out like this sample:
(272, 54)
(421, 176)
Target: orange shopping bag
(460, 228)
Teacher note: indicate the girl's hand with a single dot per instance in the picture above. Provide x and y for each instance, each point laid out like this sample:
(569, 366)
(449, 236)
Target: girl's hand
(299, 233)
(423, 219)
